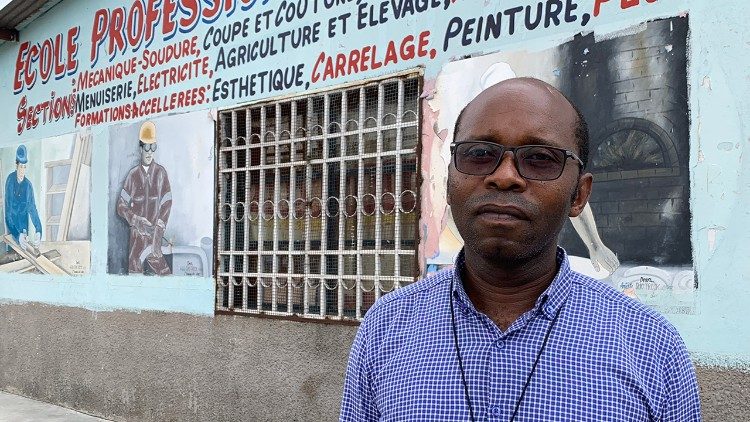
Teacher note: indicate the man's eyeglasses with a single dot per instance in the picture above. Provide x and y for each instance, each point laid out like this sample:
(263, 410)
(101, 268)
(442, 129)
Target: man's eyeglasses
(533, 162)
(148, 147)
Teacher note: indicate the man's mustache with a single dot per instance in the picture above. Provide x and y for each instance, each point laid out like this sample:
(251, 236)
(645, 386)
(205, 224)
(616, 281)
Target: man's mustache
(505, 199)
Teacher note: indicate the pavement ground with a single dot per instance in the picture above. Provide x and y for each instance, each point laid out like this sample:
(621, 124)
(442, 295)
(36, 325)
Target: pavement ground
(15, 408)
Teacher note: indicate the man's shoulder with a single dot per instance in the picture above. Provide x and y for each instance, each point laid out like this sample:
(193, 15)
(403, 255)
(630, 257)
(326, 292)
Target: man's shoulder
(159, 171)
(158, 167)
(133, 171)
(628, 312)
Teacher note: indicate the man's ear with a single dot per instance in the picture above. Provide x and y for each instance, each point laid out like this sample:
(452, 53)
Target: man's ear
(581, 196)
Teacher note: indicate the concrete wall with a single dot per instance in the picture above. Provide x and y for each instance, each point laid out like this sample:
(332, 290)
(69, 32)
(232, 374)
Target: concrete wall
(154, 366)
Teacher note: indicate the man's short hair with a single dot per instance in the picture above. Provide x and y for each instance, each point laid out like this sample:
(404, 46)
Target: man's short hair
(581, 131)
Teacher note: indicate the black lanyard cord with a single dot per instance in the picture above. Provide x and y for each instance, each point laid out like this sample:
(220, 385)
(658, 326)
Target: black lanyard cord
(461, 365)
(458, 354)
(533, 367)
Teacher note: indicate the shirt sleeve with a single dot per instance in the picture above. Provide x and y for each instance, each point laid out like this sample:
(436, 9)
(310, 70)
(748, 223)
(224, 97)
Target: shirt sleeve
(682, 400)
(165, 201)
(123, 201)
(8, 220)
(33, 213)
(358, 403)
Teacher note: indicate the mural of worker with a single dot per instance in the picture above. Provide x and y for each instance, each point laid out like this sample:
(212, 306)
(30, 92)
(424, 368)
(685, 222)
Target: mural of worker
(140, 185)
(20, 204)
(145, 203)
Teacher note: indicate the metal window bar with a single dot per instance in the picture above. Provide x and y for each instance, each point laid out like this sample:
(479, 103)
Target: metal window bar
(308, 192)
(232, 227)
(331, 138)
(276, 197)
(341, 209)
(292, 199)
(246, 212)
(221, 285)
(398, 187)
(324, 211)
(360, 193)
(261, 217)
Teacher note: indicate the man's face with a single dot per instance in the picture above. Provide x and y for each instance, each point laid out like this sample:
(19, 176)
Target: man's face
(147, 153)
(502, 216)
(20, 171)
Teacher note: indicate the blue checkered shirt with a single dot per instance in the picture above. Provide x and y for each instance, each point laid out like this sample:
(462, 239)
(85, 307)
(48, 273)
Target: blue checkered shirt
(608, 358)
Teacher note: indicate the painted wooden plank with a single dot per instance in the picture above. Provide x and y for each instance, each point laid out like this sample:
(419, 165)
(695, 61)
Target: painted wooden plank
(22, 265)
(41, 262)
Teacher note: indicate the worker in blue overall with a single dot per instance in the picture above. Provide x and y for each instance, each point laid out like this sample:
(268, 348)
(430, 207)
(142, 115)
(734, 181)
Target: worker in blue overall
(19, 202)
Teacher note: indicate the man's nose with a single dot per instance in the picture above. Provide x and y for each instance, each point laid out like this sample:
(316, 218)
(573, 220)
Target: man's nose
(506, 176)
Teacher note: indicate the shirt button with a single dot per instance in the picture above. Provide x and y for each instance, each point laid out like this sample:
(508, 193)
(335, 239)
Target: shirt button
(495, 411)
(500, 344)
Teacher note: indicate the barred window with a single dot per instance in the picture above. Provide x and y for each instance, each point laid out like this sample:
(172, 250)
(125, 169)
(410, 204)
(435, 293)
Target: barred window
(318, 201)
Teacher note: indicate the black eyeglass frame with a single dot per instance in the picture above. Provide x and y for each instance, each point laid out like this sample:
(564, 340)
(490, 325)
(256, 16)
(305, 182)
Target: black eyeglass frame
(504, 149)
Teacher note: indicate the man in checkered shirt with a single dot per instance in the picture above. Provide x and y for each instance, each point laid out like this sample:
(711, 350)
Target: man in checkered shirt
(512, 333)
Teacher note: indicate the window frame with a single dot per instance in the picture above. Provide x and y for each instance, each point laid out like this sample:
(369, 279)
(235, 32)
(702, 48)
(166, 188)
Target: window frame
(225, 281)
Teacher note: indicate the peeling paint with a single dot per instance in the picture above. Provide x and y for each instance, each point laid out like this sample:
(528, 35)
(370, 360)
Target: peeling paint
(711, 235)
(711, 240)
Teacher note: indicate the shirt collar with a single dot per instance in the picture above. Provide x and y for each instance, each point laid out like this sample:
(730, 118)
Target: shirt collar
(548, 303)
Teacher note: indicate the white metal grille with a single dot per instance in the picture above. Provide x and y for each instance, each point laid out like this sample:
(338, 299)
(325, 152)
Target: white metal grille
(318, 201)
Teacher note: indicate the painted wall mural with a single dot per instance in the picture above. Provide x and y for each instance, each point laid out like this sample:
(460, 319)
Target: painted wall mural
(46, 206)
(161, 196)
(632, 88)
(129, 61)
(96, 64)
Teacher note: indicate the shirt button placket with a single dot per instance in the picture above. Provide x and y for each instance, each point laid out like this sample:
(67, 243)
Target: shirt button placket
(500, 344)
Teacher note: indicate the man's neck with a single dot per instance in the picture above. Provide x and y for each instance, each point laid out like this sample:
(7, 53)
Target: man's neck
(505, 292)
